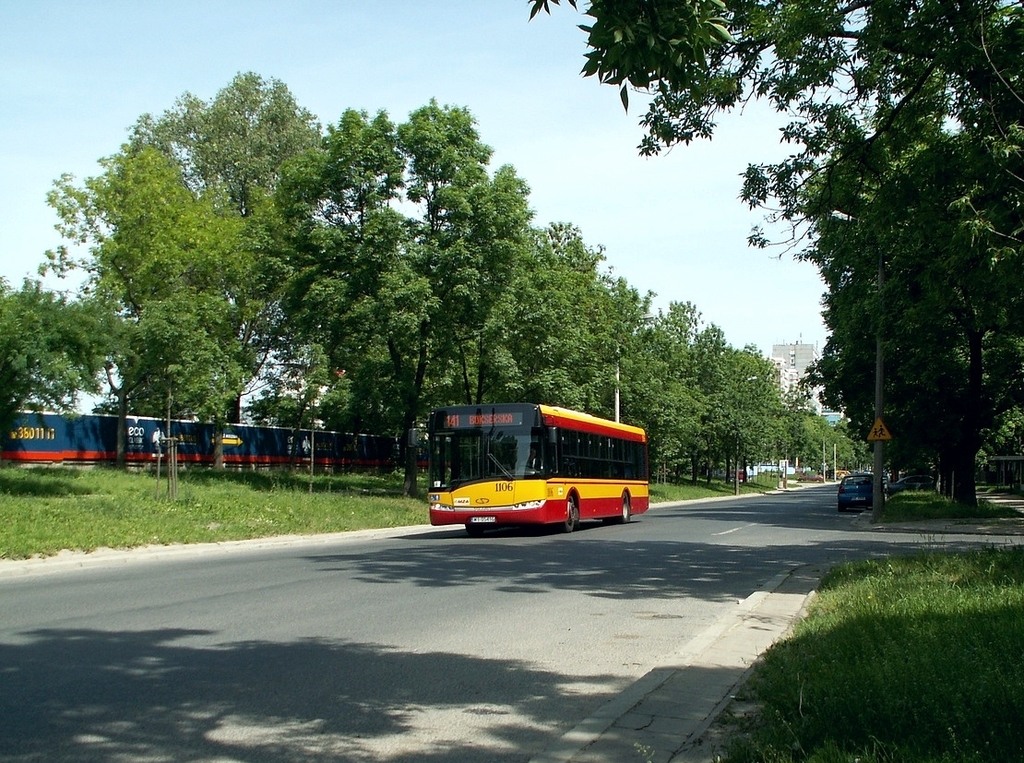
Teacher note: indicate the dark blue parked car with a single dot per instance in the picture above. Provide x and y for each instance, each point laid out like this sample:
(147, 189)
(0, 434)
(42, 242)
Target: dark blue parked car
(855, 492)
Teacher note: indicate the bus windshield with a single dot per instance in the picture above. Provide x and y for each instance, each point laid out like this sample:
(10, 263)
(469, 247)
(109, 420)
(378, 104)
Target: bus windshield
(468, 455)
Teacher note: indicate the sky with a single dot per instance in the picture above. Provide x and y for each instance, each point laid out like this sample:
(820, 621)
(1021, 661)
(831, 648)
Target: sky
(75, 76)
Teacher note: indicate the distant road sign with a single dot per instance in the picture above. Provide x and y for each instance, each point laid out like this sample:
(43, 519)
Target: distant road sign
(879, 432)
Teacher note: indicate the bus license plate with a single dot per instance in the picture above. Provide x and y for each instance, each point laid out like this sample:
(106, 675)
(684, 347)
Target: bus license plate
(483, 520)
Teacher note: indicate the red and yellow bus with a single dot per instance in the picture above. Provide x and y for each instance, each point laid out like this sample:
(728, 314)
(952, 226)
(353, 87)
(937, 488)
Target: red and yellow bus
(520, 463)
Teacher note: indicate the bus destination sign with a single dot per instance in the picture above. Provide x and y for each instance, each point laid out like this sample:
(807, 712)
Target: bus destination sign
(473, 420)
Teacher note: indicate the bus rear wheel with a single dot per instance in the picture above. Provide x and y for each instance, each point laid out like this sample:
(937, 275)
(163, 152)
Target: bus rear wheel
(625, 513)
(627, 510)
(572, 514)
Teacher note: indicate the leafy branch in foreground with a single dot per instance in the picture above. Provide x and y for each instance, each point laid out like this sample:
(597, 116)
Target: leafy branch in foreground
(647, 43)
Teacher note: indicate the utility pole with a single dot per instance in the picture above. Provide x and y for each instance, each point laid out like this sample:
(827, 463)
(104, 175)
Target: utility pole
(616, 388)
(879, 433)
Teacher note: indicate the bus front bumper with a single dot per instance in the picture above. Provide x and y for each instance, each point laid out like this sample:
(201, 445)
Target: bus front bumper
(531, 512)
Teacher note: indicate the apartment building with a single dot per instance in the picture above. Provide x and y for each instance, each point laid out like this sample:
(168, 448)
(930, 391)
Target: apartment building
(791, 363)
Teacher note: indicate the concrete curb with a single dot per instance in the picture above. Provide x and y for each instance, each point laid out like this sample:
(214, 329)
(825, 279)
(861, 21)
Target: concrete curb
(665, 715)
(67, 560)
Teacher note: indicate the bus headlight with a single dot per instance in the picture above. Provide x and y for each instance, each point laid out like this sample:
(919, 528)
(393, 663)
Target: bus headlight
(528, 505)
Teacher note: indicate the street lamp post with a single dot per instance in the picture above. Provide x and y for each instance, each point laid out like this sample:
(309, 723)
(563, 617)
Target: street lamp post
(616, 388)
(736, 468)
(877, 486)
(877, 438)
(746, 396)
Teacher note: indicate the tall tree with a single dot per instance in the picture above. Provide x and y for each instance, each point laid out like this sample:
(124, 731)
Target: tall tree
(661, 389)
(560, 345)
(950, 295)
(892, 104)
(402, 242)
(234, 146)
(157, 255)
(50, 350)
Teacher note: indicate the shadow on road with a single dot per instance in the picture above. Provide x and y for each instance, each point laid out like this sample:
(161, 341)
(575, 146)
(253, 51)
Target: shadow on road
(166, 694)
(149, 695)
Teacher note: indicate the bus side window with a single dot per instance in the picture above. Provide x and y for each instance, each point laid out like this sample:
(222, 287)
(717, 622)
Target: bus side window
(534, 458)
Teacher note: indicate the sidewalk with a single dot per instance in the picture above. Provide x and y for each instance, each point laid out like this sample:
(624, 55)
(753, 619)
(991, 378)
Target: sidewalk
(665, 715)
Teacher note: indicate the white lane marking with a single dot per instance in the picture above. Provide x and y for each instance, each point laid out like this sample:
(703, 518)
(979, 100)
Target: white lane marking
(733, 530)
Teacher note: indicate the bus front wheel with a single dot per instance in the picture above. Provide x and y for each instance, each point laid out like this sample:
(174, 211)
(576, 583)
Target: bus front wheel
(572, 514)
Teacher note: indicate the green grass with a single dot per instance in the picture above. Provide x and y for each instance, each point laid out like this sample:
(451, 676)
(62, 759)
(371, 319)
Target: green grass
(663, 492)
(902, 659)
(45, 510)
(925, 505)
(48, 509)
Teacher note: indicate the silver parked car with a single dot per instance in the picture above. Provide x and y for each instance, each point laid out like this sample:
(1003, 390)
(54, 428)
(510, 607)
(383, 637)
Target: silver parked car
(911, 482)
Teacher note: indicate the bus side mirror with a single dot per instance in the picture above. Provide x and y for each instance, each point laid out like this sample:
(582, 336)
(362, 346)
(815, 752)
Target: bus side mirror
(553, 435)
(413, 438)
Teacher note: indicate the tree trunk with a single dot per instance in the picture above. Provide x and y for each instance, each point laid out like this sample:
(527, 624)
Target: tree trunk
(122, 427)
(975, 418)
(218, 444)
(409, 486)
(964, 489)
(411, 400)
(957, 460)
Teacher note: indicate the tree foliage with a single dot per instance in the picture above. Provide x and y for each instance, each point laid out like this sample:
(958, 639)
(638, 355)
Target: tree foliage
(403, 244)
(232, 149)
(904, 119)
(50, 350)
(566, 322)
(636, 43)
(158, 257)
(374, 272)
(182, 241)
(236, 143)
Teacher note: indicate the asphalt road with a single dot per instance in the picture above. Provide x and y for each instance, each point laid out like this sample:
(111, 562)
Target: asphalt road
(418, 644)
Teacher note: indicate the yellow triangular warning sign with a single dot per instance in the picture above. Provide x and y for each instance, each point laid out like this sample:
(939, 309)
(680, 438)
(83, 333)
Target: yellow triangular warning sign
(879, 432)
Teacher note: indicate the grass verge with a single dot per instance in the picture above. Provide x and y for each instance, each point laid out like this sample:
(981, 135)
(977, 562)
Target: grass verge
(46, 510)
(901, 659)
(925, 505)
(662, 492)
